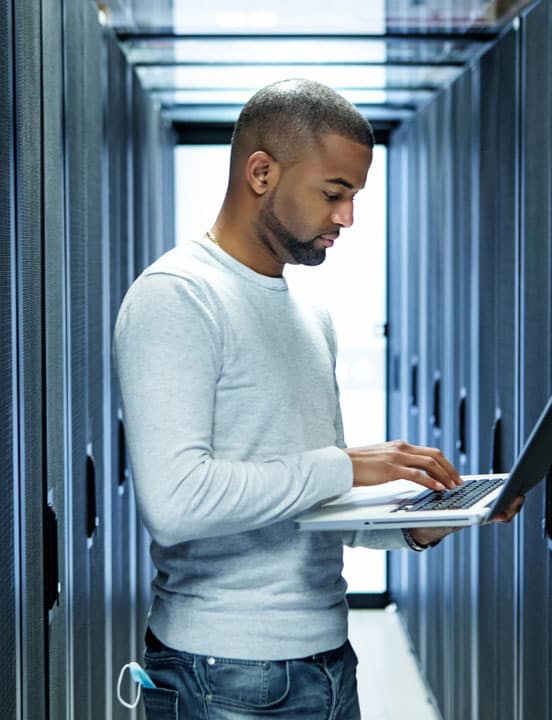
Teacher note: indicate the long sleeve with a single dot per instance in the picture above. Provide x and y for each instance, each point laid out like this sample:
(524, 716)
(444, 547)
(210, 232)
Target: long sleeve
(376, 539)
(169, 346)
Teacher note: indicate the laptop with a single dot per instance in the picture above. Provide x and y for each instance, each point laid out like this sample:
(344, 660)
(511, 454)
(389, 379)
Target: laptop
(400, 504)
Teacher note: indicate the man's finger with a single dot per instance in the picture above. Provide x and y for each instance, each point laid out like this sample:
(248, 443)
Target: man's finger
(422, 478)
(509, 514)
(449, 471)
(431, 466)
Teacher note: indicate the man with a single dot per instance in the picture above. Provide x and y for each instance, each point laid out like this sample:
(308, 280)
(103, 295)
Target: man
(233, 425)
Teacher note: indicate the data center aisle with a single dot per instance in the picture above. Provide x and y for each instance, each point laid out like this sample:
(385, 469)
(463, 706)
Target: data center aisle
(390, 685)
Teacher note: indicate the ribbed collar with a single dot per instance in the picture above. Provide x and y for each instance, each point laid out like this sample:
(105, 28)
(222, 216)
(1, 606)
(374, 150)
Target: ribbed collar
(270, 283)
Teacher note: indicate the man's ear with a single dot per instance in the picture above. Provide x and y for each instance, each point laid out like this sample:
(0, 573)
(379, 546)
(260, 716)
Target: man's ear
(261, 171)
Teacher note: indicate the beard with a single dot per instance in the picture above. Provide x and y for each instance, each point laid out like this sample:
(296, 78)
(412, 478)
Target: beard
(302, 252)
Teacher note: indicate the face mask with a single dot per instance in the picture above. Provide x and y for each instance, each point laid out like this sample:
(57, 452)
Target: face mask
(140, 677)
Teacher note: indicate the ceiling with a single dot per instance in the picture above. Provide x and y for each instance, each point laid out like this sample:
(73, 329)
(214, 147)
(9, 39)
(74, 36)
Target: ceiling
(201, 62)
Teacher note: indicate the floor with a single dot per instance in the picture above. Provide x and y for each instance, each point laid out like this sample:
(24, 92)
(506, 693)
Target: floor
(390, 685)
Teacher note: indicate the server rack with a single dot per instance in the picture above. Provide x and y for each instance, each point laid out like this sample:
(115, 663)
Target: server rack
(535, 357)
(10, 589)
(486, 597)
(57, 547)
(28, 206)
(68, 526)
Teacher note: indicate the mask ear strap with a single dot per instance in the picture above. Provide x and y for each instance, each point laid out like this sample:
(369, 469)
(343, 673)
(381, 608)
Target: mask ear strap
(119, 683)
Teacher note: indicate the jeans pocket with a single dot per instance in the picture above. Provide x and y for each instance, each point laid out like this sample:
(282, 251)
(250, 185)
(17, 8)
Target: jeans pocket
(160, 703)
(247, 684)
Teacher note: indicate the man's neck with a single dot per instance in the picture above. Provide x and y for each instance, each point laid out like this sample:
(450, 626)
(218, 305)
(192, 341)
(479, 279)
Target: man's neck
(243, 244)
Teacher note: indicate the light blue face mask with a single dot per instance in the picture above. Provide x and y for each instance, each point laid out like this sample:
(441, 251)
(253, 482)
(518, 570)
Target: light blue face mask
(140, 677)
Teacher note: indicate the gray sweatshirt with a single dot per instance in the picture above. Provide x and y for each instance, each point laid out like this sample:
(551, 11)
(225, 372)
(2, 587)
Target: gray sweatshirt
(233, 425)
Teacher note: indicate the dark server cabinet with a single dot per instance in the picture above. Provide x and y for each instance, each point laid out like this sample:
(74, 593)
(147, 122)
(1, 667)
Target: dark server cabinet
(415, 190)
(121, 510)
(58, 580)
(394, 271)
(407, 194)
(147, 243)
(74, 559)
(80, 467)
(10, 593)
(97, 360)
(458, 392)
(482, 624)
(396, 373)
(146, 237)
(27, 111)
(535, 699)
(153, 210)
(153, 151)
(497, 369)
(433, 209)
(83, 123)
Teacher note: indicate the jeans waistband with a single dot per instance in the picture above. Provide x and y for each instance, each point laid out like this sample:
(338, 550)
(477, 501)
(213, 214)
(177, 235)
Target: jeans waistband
(153, 643)
(326, 656)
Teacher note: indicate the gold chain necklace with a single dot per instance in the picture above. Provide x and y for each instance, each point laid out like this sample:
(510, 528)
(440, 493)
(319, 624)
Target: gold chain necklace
(210, 236)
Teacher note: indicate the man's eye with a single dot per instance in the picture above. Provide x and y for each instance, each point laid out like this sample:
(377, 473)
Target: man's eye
(330, 197)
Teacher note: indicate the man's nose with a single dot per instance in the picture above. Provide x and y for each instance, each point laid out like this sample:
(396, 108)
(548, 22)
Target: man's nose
(343, 214)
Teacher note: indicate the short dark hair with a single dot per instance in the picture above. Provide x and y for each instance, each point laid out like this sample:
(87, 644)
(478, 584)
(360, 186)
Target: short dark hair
(286, 117)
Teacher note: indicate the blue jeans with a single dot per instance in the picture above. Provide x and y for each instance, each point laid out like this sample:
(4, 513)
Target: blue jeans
(199, 687)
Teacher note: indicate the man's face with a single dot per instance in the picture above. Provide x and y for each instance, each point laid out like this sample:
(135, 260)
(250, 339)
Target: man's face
(313, 200)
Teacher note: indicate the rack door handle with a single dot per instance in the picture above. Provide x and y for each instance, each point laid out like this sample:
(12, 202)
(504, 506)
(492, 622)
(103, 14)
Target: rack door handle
(414, 383)
(92, 520)
(51, 558)
(548, 505)
(435, 418)
(123, 460)
(461, 441)
(496, 444)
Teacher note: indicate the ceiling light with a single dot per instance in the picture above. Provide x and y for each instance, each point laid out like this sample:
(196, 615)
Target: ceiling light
(103, 14)
(250, 20)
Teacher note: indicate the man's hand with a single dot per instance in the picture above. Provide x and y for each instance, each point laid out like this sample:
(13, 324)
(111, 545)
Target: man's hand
(426, 536)
(398, 460)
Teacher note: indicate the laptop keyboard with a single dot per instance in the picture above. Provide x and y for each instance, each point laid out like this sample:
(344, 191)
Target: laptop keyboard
(463, 496)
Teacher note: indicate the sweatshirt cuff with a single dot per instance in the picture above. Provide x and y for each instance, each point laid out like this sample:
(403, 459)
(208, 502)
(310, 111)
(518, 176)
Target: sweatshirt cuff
(334, 472)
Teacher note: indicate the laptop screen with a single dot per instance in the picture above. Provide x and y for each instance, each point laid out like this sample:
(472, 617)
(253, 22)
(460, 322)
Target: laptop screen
(532, 464)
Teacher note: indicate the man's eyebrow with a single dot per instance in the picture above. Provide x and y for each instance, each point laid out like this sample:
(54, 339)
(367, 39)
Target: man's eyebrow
(340, 181)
